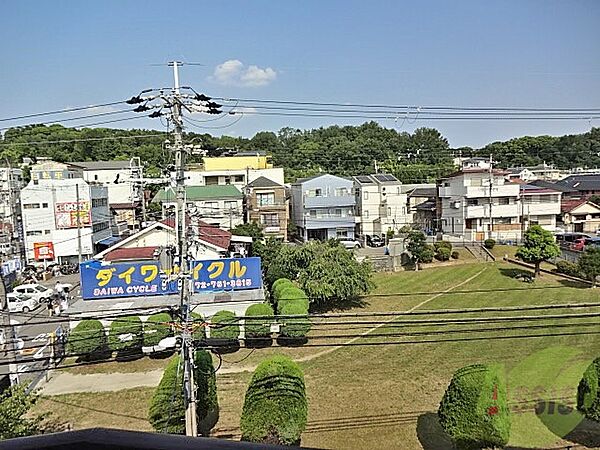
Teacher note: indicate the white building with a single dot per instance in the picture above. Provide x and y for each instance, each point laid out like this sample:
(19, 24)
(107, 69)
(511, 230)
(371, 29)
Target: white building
(218, 205)
(381, 204)
(50, 210)
(11, 182)
(465, 208)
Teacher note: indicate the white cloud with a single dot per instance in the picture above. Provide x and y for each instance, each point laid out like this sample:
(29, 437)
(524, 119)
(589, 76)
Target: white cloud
(234, 73)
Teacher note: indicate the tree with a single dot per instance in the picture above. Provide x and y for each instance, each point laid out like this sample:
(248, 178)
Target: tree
(275, 407)
(167, 407)
(252, 229)
(87, 339)
(588, 392)
(419, 249)
(16, 419)
(126, 334)
(260, 326)
(589, 263)
(156, 328)
(538, 245)
(474, 410)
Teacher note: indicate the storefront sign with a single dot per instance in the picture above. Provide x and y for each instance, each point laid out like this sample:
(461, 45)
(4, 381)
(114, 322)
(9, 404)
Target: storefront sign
(43, 251)
(229, 274)
(66, 214)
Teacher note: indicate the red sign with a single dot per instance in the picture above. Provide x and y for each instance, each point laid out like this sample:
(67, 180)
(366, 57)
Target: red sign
(43, 251)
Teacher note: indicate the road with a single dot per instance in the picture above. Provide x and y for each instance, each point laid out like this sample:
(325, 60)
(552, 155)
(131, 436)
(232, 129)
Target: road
(34, 329)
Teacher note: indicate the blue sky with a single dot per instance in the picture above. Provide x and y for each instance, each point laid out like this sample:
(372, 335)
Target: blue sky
(535, 53)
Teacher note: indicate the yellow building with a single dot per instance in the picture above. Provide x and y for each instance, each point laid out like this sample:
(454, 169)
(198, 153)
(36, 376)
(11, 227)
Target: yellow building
(237, 162)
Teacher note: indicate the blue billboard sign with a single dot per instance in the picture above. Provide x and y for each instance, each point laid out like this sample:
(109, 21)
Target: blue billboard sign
(228, 274)
(100, 280)
(123, 280)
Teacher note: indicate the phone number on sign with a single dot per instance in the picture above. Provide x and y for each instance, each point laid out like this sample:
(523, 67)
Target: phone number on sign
(242, 282)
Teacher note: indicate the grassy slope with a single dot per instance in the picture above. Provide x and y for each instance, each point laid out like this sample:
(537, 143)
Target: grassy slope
(374, 397)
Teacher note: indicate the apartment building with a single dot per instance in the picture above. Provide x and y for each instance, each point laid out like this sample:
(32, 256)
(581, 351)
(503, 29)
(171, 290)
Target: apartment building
(52, 212)
(476, 204)
(323, 207)
(267, 205)
(11, 182)
(239, 170)
(381, 204)
(221, 206)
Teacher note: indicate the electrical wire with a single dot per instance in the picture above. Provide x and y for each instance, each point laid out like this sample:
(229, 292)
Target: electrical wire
(70, 119)
(62, 111)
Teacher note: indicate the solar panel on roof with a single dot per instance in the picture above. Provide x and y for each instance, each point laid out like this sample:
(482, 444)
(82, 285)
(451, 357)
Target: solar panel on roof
(364, 179)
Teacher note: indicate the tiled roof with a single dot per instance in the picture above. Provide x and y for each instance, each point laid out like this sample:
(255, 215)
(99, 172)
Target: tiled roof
(214, 235)
(263, 182)
(134, 253)
(124, 205)
(423, 192)
(101, 165)
(195, 193)
(581, 182)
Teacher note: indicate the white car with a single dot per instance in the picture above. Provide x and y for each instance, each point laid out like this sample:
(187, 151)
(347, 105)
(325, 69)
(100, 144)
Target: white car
(21, 302)
(350, 243)
(34, 290)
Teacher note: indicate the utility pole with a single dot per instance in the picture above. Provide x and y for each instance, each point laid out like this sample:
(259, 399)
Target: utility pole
(79, 251)
(10, 338)
(491, 180)
(187, 350)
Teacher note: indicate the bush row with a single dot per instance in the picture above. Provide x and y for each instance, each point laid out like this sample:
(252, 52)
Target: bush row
(291, 301)
(275, 407)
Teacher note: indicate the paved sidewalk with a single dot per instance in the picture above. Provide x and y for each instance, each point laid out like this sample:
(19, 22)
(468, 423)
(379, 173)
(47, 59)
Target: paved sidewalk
(68, 383)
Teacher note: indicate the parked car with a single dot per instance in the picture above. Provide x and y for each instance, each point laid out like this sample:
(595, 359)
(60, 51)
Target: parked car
(34, 290)
(21, 302)
(568, 239)
(581, 243)
(350, 243)
(375, 241)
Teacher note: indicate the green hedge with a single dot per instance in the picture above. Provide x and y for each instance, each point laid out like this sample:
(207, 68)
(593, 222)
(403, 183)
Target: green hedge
(122, 326)
(295, 327)
(278, 285)
(468, 411)
(588, 392)
(275, 407)
(199, 331)
(258, 328)
(568, 268)
(87, 338)
(291, 294)
(489, 243)
(156, 328)
(442, 244)
(227, 326)
(167, 407)
(443, 254)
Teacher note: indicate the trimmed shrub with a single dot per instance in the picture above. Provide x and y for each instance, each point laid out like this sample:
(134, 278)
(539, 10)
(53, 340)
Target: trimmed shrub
(297, 327)
(568, 268)
(156, 329)
(442, 244)
(275, 407)
(199, 333)
(443, 254)
(167, 406)
(87, 338)
(474, 410)
(278, 285)
(455, 254)
(258, 328)
(224, 325)
(291, 294)
(126, 334)
(489, 243)
(588, 392)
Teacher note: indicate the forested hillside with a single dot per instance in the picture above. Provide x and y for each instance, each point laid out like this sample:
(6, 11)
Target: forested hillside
(419, 156)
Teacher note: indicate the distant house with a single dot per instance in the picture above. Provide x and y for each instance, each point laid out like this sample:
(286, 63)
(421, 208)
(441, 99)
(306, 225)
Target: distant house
(323, 207)
(584, 185)
(538, 172)
(581, 216)
(381, 205)
(422, 205)
(218, 205)
(267, 205)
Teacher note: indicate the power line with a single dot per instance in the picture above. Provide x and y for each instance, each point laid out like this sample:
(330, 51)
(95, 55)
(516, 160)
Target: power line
(61, 111)
(110, 113)
(66, 141)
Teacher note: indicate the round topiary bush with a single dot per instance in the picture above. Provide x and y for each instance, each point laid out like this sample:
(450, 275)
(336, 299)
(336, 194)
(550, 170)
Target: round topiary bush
(442, 244)
(291, 294)
(156, 328)
(87, 339)
(199, 333)
(489, 243)
(126, 334)
(275, 407)
(443, 254)
(588, 392)
(167, 407)
(278, 285)
(224, 325)
(295, 327)
(474, 410)
(259, 328)
(455, 254)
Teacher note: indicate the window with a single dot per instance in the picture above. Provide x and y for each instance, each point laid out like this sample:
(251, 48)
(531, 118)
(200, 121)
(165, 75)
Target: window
(227, 180)
(389, 211)
(96, 202)
(34, 233)
(31, 206)
(313, 213)
(265, 199)
(230, 205)
(44, 205)
(47, 231)
(269, 220)
(337, 212)
(504, 200)
(366, 214)
(471, 202)
(366, 195)
(211, 207)
(239, 179)
(318, 192)
(211, 180)
(100, 227)
(95, 177)
(340, 192)
(341, 233)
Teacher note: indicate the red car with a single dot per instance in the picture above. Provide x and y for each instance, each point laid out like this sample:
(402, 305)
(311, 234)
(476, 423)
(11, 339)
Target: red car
(578, 245)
